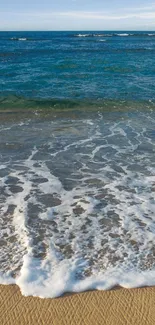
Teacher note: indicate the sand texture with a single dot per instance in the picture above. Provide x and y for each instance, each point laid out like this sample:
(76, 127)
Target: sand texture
(118, 307)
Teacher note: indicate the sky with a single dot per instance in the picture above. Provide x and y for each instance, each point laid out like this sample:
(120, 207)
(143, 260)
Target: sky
(77, 15)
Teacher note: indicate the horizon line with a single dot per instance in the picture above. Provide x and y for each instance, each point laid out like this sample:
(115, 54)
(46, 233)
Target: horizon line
(79, 30)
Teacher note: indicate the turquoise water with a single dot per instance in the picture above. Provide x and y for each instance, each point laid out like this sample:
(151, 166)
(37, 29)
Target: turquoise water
(77, 160)
(77, 65)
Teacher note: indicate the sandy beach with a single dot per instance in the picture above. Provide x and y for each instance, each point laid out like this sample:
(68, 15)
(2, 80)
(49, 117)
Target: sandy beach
(120, 306)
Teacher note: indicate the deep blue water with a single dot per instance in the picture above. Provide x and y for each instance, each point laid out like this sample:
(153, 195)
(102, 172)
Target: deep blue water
(78, 65)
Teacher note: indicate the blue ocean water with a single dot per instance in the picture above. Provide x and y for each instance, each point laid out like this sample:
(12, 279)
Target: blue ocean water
(78, 65)
(77, 160)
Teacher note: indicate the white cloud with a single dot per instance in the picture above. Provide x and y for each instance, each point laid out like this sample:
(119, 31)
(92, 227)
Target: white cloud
(140, 8)
(97, 15)
(85, 15)
(125, 18)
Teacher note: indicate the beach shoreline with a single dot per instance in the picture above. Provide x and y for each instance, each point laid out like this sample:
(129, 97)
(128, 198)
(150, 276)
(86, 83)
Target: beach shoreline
(122, 306)
(77, 145)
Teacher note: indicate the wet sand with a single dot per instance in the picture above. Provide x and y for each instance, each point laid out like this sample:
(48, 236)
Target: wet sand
(115, 307)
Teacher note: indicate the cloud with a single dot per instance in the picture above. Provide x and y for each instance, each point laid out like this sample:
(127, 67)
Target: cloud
(97, 15)
(85, 15)
(127, 18)
(140, 8)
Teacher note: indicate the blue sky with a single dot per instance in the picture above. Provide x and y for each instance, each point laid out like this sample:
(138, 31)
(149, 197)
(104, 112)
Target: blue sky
(77, 15)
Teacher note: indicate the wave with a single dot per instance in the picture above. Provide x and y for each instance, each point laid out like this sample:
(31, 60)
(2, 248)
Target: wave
(80, 35)
(78, 202)
(16, 103)
(19, 39)
(124, 34)
(136, 34)
(92, 35)
(115, 35)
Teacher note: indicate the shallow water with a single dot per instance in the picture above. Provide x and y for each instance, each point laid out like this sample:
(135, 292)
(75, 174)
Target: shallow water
(77, 200)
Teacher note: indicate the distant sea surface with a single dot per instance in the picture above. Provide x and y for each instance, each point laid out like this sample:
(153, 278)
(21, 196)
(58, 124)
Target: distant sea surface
(77, 160)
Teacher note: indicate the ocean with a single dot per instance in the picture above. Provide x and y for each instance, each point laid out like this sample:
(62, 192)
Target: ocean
(77, 160)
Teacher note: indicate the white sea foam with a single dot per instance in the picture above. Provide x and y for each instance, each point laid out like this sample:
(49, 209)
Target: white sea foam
(123, 34)
(2, 166)
(93, 35)
(61, 279)
(6, 278)
(18, 38)
(78, 207)
(22, 39)
(83, 35)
